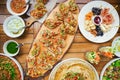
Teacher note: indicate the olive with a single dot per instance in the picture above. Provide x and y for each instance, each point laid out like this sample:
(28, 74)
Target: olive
(99, 31)
(96, 11)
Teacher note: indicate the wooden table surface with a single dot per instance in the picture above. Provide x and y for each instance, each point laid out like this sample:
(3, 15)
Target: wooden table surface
(77, 49)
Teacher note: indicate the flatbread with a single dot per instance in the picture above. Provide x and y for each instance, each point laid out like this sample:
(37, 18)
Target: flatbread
(52, 41)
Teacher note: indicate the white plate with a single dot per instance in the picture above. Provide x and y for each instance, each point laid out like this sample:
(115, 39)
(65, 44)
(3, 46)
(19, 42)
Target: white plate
(108, 35)
(49, 6)
(17, 63)
(12, 12)
(104, 68)
(114, 44)
(53, 72)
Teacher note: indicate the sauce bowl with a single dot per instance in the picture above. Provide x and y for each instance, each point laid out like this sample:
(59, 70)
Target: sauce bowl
(10, 48)
(26, 6)
(12, 24)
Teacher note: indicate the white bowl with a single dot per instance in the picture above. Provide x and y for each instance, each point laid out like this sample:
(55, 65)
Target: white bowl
(7, 30)
(17, 63)
(115, 42)
(12, 12)
(94, 20)
(5, 48)
(69, 62)
(106, 66)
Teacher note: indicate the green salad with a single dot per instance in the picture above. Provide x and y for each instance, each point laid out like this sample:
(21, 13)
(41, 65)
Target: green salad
(113, 71)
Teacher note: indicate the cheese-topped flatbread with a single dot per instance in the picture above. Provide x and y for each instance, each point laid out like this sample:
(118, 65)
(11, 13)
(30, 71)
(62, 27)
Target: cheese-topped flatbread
(53, 39)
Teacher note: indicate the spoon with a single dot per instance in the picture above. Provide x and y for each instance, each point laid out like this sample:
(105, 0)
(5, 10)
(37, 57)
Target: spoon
(26, 4)
(16, 31)
(19, 45)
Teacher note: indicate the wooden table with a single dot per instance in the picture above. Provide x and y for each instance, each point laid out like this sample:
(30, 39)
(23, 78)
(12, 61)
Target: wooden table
(78, 48)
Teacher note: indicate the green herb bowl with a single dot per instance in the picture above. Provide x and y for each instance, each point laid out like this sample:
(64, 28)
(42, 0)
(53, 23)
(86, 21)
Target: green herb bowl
(10, 48)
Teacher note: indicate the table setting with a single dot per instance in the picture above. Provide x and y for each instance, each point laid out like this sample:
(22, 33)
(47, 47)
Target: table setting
(59, 40)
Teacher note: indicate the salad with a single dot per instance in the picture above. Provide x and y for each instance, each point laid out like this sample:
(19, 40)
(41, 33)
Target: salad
(98, 21)
(116, 46)
(112, 72)
(107, 51)
(93, 57)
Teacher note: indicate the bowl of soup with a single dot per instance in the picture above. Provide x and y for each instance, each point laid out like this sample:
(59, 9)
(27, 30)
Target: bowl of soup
(10, 48)
(17, 7)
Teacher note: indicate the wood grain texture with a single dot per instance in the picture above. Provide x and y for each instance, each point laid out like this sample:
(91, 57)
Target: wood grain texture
(77, 1)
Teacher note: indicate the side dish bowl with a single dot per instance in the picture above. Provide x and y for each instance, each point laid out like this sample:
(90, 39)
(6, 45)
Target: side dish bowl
(76, 65)
(17, 66)
(10, 48)
(106, 66)
(18, 11)
(12, 25)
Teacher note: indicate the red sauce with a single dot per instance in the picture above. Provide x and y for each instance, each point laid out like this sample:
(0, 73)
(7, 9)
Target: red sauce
(18, 6)
(97, 20)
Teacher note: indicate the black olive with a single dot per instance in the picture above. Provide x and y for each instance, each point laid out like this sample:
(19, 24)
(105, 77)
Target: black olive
(99, 31)
(96, 11)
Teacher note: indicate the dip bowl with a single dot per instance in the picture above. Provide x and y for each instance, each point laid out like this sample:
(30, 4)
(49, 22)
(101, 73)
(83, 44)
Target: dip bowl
(10, 48)
(11, 26)
(17, 8)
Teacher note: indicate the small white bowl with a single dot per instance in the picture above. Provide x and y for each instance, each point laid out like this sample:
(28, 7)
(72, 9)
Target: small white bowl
(95, 17)
(115, 42)
(5, 48)
(12, 12)
(8, 31)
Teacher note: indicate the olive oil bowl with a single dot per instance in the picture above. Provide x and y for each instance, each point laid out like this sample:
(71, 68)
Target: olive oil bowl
(10, 48)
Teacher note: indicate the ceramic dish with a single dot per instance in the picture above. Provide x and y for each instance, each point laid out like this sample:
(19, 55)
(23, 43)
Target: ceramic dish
(16, 63)
(107, 35)
(116, 46)
(14, 13)
(12, 44)
(12, 25)
(106, 66)
(49, 6)
(75, 65)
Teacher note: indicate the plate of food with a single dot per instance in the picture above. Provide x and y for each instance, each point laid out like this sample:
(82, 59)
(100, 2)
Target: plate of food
(74, 69)
(111, 70)
(10, 69)
(40, 9)
(98, 21)
(53, 39)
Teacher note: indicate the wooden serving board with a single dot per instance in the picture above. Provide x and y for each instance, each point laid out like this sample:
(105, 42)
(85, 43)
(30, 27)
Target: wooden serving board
(33, 70)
